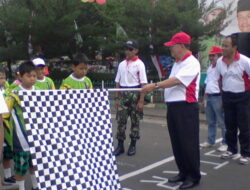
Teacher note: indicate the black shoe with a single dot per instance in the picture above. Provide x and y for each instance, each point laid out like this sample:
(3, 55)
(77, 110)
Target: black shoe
(132, 149)
(120, 149)
(175, 179)
(189, 184)
(10, 180)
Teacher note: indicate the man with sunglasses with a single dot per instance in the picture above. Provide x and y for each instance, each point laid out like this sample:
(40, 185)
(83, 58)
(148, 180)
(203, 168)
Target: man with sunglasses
(181, 96)
(131, 74)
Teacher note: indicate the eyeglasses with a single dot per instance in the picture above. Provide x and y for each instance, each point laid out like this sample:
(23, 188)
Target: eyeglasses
(129, 48)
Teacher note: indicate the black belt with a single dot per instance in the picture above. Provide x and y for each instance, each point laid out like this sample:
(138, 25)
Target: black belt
(214, 94)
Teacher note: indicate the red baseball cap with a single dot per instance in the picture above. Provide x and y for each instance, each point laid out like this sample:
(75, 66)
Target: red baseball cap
(179, 38)
(215, 50)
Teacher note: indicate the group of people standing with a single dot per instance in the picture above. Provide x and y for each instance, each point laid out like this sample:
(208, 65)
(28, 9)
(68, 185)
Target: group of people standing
(30, 76)
(227, 97)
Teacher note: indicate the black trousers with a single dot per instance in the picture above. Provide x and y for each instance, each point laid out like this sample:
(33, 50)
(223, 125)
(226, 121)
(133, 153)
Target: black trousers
(183, 126)
(237, 116)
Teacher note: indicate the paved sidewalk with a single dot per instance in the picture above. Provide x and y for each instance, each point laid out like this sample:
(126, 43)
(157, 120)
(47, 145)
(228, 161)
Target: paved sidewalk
(9, 187)
(156, 111)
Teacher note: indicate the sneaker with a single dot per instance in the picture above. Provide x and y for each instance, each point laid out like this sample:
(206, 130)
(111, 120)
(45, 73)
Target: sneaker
(228, 154)
(222, 148)
(244, 160)
(10, 180)
(35, 188)
(206, 145)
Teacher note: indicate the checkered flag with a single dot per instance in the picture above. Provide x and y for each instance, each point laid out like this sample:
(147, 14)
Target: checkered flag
(70, 138)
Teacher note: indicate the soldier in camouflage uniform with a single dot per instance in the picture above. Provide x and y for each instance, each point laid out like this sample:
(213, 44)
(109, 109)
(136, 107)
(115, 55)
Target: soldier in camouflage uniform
(128, 103)
(131, 74)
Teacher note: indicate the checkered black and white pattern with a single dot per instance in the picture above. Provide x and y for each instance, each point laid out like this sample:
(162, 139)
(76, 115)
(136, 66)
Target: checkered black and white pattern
(70, 138)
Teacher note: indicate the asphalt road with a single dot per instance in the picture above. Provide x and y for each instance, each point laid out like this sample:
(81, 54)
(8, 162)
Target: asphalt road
(150, 168)
(153, 163)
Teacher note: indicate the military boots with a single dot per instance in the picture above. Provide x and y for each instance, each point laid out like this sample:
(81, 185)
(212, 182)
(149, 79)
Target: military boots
(132, 149)
(120, 148)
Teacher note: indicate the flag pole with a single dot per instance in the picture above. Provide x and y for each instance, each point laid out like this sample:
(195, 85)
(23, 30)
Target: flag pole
(123, 89)
(129, 89)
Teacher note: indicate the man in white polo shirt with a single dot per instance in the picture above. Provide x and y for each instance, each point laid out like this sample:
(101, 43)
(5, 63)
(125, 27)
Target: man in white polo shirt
(234, 70)
(181, 96)
(131, 74)
(214, 109)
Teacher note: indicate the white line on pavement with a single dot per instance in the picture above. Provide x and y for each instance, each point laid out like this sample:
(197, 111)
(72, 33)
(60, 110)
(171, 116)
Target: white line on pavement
(221, 165)
(151, 166)
(176, 172)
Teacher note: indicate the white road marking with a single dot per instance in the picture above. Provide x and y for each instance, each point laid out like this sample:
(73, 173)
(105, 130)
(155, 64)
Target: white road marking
(221, 165)
(217, 165)
(151, 166)
(147, 168)
(210, 153)
(161, 182)
(170, 172)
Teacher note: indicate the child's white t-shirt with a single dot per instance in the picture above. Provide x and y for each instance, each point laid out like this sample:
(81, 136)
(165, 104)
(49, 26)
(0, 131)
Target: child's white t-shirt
(3, 106)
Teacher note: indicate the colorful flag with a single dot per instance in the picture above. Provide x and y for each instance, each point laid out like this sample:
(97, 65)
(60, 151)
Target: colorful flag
(158, 66)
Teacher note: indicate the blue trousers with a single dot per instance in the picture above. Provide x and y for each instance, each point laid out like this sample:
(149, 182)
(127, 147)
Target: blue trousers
(215, 116)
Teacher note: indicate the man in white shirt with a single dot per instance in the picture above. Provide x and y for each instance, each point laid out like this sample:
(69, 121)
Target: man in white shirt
(234, 70)
(181, 96)
(131, 74)
(214, 109)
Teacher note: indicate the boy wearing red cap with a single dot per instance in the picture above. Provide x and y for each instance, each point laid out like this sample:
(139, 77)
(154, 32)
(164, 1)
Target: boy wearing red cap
(214, 110)
(181, 96)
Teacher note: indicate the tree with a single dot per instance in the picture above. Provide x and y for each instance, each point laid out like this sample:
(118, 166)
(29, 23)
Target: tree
(154, 22)
(50, 24)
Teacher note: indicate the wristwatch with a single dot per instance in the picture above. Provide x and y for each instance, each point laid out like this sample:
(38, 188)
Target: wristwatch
(156, 86)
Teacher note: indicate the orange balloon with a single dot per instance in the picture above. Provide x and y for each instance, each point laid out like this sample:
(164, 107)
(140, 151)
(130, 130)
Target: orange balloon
(101, 1)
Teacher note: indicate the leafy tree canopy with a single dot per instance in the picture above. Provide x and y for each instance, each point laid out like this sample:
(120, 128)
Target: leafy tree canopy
(50, 24)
